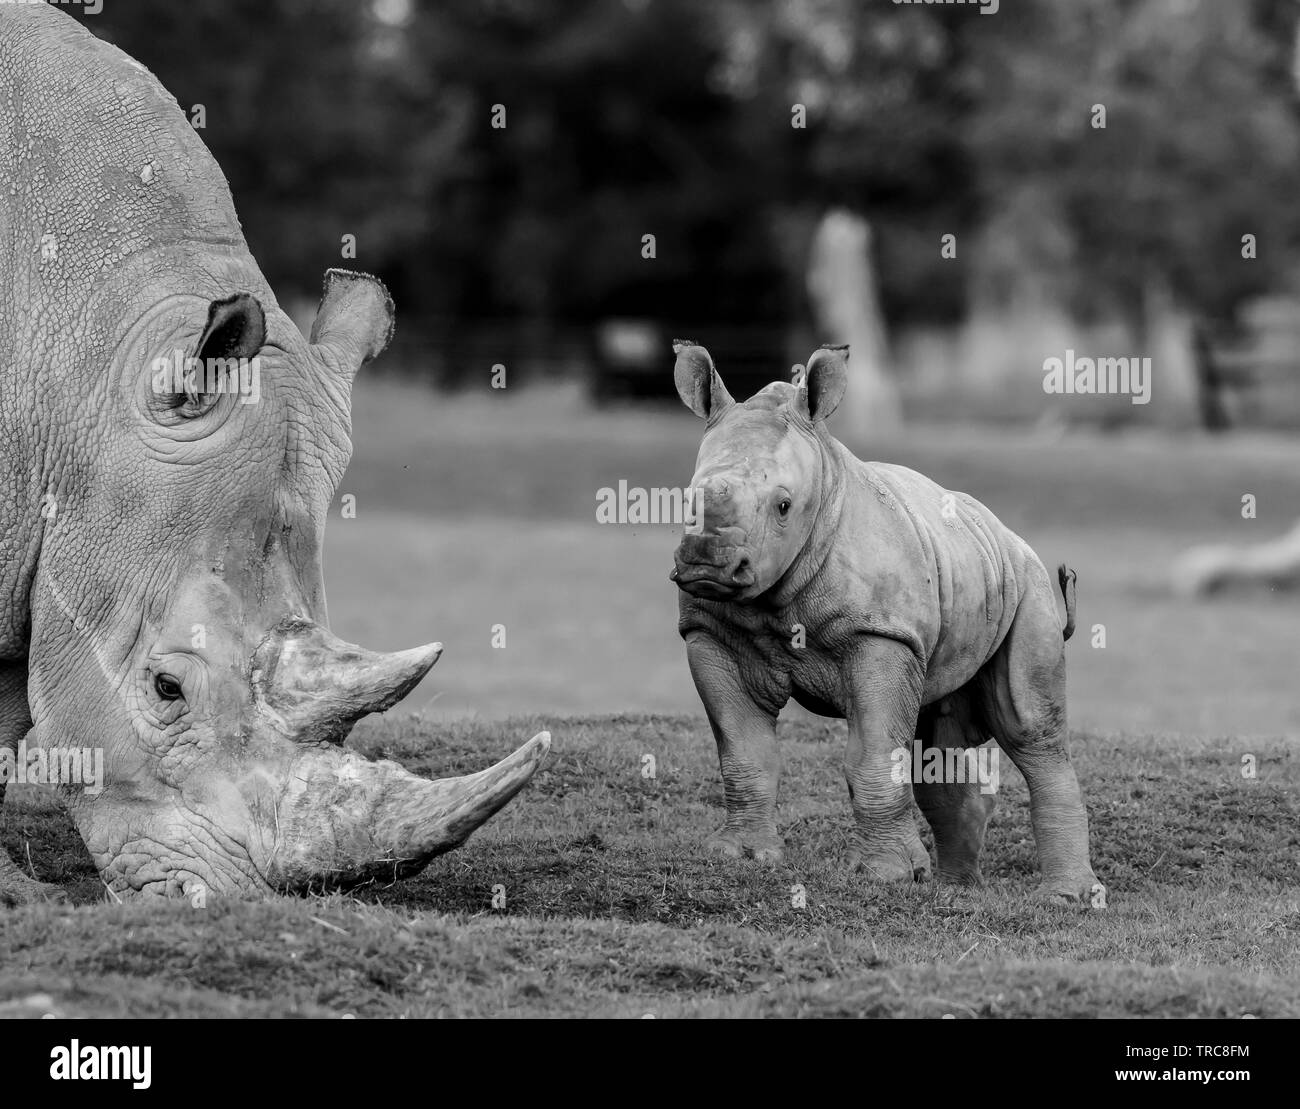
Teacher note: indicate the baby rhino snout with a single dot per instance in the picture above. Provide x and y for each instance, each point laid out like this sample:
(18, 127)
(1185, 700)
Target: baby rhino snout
(712, 566)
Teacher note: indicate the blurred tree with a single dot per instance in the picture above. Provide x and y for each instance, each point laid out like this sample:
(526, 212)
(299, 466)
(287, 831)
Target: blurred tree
(319, 128)
(885, 91)
(671, 118)
(937, 119)
(1201, 145)
(615, 130)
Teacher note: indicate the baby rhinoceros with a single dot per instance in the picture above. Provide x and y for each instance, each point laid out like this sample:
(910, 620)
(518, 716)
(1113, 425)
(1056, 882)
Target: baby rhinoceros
(866, 592)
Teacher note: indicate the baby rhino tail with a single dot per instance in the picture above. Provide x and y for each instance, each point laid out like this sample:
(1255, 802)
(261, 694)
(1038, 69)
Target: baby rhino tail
(1067, 578)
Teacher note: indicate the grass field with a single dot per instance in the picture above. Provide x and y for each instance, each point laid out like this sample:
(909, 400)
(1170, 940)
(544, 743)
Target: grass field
(474, 513)
(611, 909)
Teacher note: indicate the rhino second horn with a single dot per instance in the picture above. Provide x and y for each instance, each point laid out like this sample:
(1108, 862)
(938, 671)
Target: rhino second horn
(315, 687)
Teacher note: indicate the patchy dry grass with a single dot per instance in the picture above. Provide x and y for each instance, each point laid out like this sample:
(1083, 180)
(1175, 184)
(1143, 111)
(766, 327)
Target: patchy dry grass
(611, 909)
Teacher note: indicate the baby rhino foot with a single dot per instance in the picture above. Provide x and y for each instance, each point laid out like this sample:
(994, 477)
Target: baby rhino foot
(902, 860)
(961, 874)
(732, 843)
(1085, 891)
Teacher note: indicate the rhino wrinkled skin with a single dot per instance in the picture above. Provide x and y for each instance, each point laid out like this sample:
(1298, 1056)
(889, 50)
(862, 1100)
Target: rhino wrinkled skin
(866, 592)
(162, 584)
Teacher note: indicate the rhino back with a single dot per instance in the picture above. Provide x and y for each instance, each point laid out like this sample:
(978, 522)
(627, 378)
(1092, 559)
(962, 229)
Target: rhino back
(95, 153)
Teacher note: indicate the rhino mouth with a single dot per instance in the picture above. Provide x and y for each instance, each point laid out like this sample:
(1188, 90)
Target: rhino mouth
(711, 582)
(706, 588)
(714, 565)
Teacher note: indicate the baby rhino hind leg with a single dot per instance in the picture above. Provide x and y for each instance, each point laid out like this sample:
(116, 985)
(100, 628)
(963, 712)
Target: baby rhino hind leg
(957, 806)
(1022, 693)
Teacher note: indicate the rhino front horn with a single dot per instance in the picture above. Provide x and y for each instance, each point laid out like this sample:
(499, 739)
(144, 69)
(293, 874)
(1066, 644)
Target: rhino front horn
(314, 686)
(347, 820)
(422, 818)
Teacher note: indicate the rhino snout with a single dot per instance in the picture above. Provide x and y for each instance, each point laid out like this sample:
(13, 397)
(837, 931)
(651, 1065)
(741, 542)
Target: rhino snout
(709, 566)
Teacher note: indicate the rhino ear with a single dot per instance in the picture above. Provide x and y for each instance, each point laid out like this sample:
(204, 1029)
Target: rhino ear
(355, 317)
(236, 328)
(821, 387)
(235, 331)
(698, 383)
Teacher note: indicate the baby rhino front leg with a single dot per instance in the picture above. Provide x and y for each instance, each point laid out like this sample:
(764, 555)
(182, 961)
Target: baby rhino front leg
(747, 754)
(883, 680)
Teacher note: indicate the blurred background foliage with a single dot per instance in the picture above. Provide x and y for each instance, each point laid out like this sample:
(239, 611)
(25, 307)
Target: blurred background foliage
(674, 118)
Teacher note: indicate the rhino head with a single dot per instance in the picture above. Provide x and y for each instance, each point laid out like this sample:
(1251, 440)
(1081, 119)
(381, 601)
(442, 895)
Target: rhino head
(178, 616)
(762, 475)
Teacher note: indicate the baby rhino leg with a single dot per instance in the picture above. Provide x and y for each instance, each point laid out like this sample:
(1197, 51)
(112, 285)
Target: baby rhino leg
(883, 681)
(1022, 693)
(747, 754)
(956, 802)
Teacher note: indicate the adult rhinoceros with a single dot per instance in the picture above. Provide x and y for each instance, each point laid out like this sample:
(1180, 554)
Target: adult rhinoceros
(161, 550)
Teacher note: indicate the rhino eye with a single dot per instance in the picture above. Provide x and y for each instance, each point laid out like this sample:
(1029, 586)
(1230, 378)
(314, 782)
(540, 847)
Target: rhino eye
(193, 405)
(167, 687)
(784, 507)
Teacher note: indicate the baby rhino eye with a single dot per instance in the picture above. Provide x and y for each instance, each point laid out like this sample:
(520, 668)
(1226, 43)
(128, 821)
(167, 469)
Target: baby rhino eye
(784, 507)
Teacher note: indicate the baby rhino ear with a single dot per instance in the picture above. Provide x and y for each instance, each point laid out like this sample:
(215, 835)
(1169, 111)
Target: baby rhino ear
(698, 383)
(822, 386)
